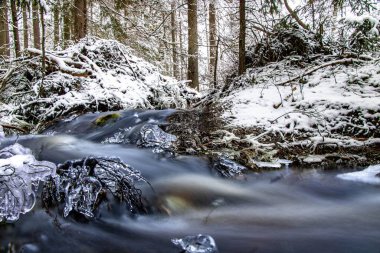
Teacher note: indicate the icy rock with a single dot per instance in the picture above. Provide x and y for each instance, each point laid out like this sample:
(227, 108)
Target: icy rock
(314, 159)
(81, 181)
(120, 137)
(2, 135)
(228, 168)
(268, 165)
(196, 244)
(153, 136)
(20, 174)
(369, 175)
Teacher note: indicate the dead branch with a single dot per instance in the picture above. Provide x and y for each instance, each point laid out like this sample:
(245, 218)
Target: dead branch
(327, 64)
(13, 128)
(64, 64)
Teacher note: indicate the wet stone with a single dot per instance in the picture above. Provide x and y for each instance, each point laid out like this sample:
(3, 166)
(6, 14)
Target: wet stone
(196, 244)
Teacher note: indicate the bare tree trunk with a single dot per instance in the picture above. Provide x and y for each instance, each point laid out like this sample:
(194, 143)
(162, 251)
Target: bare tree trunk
(25, 11)
(42, 90)
(173, 20)
(56, 22)
(36, 26)
(16, 36)
(80, 19)
(242, 37)
(181, 52)
(4, 30)
(216, 64)
(66, 23)
(212, 37)
(192, 68)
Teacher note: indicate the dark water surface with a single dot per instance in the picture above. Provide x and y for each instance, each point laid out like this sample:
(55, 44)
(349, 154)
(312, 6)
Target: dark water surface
(279, 211)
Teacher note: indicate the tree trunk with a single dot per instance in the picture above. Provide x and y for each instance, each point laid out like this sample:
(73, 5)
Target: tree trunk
(173, 20)
(212, 37)
(42, 90)
(181, 50)
(16, 36)
(25, 11)
(192, 68)
(80, 19)
(242, 37)
(4, 30)
(56, 23)
(36, 26)
(66, 23)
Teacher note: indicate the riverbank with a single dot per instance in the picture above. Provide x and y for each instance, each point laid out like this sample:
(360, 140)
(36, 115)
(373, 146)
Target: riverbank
(324, 113)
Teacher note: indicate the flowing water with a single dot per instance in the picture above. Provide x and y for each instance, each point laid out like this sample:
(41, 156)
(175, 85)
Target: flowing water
(277, 211)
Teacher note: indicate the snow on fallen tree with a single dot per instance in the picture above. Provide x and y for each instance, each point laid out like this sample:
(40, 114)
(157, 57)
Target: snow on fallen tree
(93, 75)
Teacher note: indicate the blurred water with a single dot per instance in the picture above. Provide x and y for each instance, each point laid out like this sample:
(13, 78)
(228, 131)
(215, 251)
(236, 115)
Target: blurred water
(279, 211)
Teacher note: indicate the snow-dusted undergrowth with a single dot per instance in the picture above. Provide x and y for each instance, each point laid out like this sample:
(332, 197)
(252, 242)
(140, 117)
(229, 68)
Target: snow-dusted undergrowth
(336, 105)
(93, 75)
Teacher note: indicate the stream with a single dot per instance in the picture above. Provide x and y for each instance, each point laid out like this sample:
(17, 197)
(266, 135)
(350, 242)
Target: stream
(285, 210)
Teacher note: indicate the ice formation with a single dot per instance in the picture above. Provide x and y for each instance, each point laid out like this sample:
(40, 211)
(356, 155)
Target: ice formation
(369, 175)
(196, 244)
(20, 174)
(153, 136)
(228, 168)
(81, 181)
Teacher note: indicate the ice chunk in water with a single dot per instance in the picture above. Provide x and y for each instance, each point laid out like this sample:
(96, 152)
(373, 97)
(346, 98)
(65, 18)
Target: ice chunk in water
(81, 181)
(228, 168)
(369, 175)
(196, 244)
(2, 135)
(82, 196)
(20, 174)
(153, 136)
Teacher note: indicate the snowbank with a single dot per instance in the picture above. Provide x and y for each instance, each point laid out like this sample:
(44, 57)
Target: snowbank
(283, 110)
(371, 175)
(93, 75)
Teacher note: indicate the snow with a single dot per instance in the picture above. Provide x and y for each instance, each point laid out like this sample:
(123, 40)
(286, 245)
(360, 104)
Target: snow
(97, 75)
(369, 175)
(319, 108)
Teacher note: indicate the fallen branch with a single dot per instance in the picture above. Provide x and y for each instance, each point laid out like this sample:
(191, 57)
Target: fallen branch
(327, 64)
(13, 128)
(63, 63)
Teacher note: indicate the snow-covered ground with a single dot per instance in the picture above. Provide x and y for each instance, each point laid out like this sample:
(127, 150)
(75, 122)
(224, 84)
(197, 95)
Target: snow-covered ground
(336, 99)
(336, 106)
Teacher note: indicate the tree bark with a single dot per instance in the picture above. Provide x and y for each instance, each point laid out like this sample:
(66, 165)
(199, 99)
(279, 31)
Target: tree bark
(242, 37)
(80, 19)
(16, 36)
(56, 23)
(4, 30)
(36, 26)
(25, 11)
(212, 37)
(173, 20)
(66, 23)
(192, 68)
